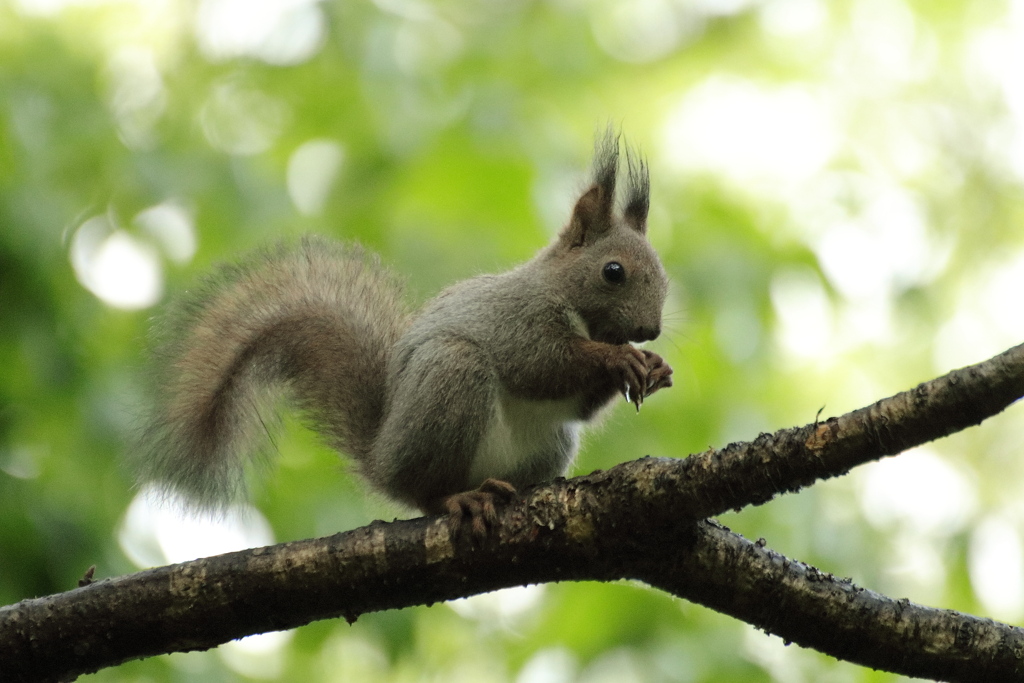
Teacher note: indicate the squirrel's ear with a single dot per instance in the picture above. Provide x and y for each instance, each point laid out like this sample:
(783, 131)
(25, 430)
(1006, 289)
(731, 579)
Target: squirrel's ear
(638, 192)
(590, 217)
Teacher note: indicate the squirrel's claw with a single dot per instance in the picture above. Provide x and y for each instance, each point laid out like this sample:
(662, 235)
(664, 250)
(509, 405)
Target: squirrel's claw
(631, 367)
(636, 399)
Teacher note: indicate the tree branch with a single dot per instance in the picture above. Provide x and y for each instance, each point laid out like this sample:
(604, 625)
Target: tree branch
(751, 473)
(746, 580)
(628, 522)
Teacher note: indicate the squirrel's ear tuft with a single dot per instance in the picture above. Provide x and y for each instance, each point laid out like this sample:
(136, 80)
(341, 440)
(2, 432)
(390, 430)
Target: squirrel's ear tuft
(638, 192)
(606, 166)
(592, 214)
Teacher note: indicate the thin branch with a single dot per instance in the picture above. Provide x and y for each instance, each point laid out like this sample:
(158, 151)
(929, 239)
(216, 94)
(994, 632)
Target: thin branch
(803, 605)
(751, 473)
(629, 522)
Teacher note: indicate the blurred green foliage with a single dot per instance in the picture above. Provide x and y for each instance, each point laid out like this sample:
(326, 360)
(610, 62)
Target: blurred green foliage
(836, 196)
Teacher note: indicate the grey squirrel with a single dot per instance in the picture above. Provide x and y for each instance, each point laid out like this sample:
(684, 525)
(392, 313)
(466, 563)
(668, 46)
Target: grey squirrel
(450, 409)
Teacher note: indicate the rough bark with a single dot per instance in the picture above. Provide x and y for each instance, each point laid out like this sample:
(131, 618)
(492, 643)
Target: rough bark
(640, 520)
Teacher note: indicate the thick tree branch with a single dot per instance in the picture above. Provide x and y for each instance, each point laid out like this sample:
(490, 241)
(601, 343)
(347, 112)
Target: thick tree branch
(201, 604)
(630, 522)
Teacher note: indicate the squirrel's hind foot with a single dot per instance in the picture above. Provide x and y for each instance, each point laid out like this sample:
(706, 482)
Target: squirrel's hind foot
(479, 505)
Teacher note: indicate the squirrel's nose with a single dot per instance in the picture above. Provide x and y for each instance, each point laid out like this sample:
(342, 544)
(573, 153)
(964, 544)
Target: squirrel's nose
(643, 334)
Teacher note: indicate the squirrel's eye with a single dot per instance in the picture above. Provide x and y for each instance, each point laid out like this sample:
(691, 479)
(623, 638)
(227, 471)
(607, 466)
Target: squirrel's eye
(614, 272)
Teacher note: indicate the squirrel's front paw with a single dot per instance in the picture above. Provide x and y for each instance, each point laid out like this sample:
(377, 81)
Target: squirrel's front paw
(659, 373)
(479, 506)
(629, 365)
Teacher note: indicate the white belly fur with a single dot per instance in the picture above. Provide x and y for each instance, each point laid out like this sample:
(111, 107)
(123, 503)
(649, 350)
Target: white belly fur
(520, 429)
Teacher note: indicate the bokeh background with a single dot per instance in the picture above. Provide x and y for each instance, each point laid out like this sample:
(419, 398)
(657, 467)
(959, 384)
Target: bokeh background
(837, 196)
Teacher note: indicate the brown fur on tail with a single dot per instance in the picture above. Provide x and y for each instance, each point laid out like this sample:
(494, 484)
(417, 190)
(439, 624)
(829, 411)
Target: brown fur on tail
(317, 320)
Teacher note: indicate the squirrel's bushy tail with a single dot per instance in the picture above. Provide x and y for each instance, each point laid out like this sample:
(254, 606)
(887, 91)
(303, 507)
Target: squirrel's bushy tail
(318, 319)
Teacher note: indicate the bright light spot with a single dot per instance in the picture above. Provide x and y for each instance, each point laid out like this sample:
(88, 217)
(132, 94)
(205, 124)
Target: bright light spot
(754, 136)
(883, 250)
(156, 532)
(312, 169)
(987, 317)
(499, 606)
(137, 97)
(996, 566)
(641, 31)
(137, 534)
(20, 463)
(962, 340)
(873, 243)
(916, 563)
(240, 120)
(552, 665)
(917, 489)
(904, 138)
(843, 251)
(186, 538)
(788, 18)
(281, 32)
(170, 225)
(866, 321)
(258, 656)
(1001, 298)
(885, 33)
(804, 313)
(118, 268)
(992, 59)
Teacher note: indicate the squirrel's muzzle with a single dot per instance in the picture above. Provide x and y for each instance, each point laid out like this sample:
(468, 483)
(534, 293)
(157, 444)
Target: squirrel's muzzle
(642, 334)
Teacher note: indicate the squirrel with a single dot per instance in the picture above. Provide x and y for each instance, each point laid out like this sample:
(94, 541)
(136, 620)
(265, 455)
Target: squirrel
(451, 409)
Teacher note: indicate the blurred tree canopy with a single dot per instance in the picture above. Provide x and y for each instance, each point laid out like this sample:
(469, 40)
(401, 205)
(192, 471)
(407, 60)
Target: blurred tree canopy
(836, 194)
